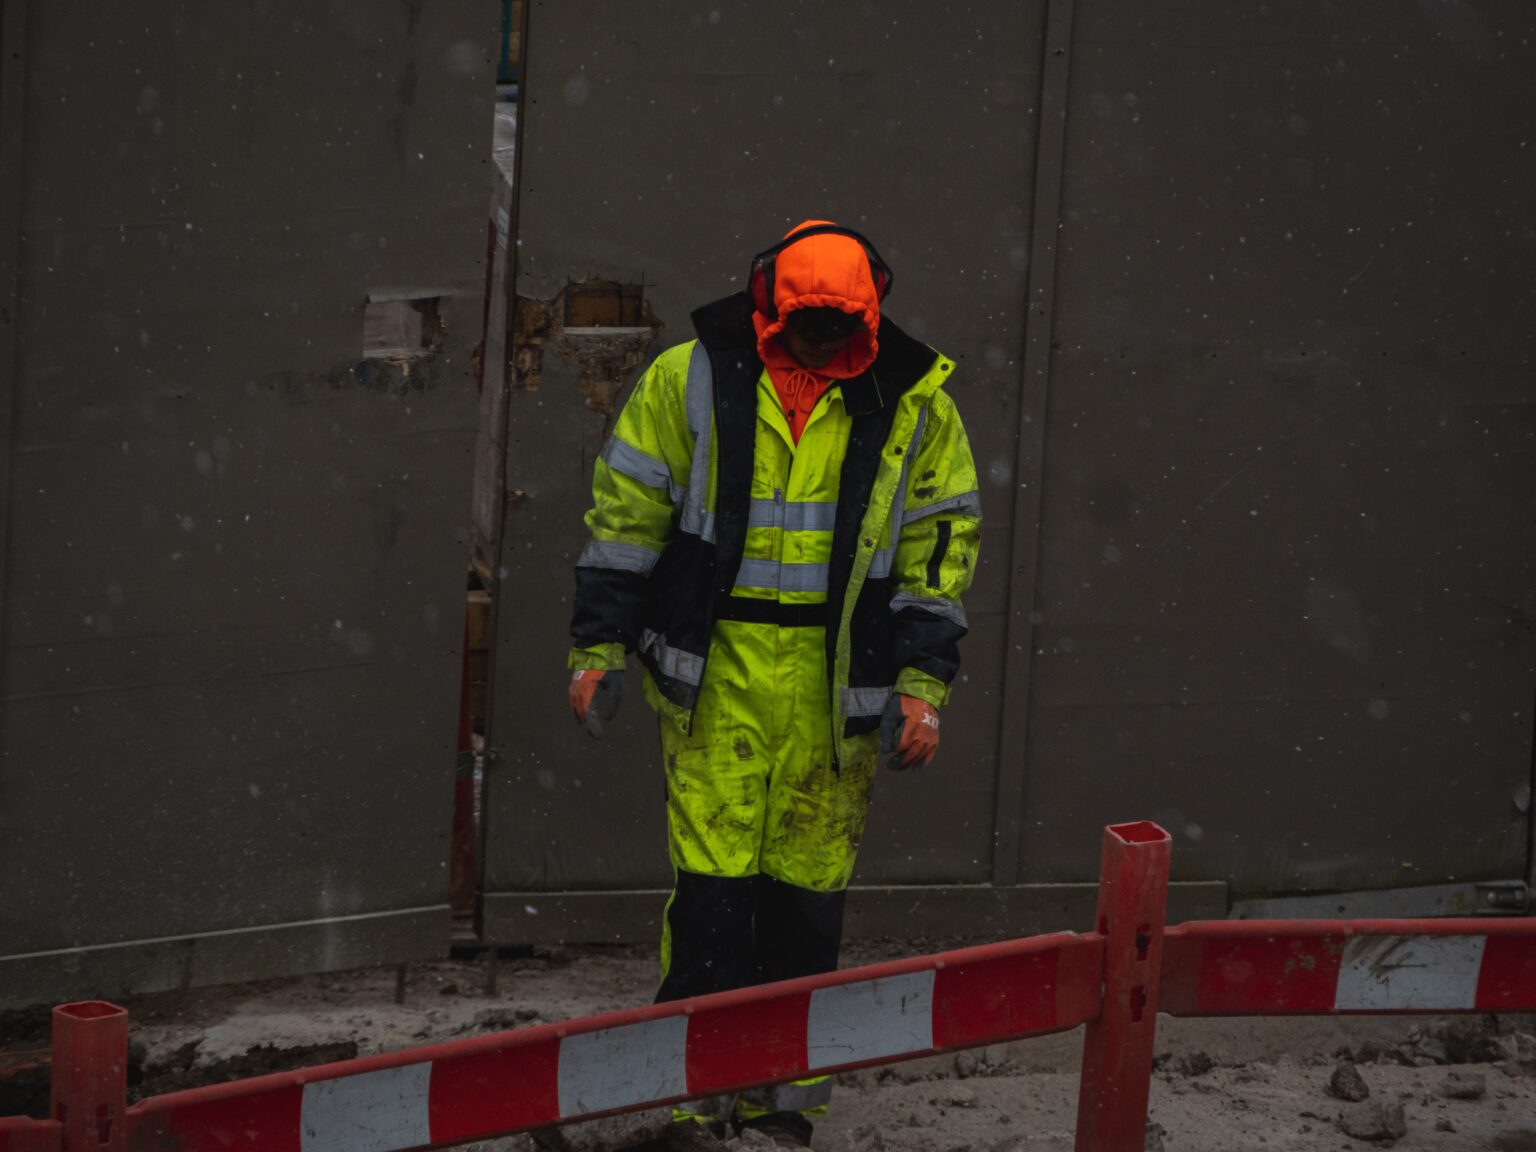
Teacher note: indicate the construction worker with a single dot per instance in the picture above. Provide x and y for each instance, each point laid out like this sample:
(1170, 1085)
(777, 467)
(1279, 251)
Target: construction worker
(784, 521)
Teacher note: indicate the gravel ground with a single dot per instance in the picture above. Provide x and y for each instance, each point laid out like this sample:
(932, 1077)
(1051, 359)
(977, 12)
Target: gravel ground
(1278, 1085)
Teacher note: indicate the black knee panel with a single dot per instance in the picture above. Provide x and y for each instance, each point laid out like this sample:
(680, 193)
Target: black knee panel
(798, 932)
(710, 923)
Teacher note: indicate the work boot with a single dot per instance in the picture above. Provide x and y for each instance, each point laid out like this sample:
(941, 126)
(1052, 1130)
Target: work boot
(785, 1129)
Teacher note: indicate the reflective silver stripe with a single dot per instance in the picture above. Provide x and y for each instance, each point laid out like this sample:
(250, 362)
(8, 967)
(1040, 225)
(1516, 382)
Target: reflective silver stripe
(967, 504)
(898, 505)
(803, 578)
(624, 457)
(619, 1066)
(701, 524)
(880, 566)
(810, 516)
(614, 554)
(940, 606)
(865, 701)
(687, 667)
(793, 515)
(367, 1111)
(764, 513)
(700, 403)
(784, 577)
(790, 1097)
(701, 391)
(870, 1019)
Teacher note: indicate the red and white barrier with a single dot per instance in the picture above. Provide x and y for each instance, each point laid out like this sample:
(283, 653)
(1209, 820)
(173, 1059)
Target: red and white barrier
(1115, 980)
(556, 1073)
(1313, 967)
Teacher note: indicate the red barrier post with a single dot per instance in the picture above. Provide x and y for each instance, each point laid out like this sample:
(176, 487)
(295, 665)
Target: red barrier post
(1117, 1049)
(90, 1075)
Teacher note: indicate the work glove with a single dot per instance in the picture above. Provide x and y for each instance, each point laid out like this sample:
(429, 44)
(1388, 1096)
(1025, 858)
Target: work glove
(594, 695)
(909, 732)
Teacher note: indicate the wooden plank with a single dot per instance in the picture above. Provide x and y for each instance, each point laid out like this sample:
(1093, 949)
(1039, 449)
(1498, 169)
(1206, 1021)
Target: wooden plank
(478, 609)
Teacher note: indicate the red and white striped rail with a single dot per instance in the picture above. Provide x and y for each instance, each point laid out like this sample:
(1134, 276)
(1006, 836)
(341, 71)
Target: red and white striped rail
(1317, 967)
(556, 1073)
(1115, 980)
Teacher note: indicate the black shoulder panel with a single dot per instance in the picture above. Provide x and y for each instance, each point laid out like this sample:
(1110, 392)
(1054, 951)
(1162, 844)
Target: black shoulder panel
(726, 323)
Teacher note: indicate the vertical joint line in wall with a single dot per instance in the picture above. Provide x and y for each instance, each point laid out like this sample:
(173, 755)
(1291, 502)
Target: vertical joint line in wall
(13, 87)
(1024, 559)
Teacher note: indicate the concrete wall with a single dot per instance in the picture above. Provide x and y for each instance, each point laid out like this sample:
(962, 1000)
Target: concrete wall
(234, 574)
(1242, 307)
(1288, 574)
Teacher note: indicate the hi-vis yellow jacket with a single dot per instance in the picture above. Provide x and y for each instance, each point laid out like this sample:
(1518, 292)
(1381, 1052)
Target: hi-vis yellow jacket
(692, 523)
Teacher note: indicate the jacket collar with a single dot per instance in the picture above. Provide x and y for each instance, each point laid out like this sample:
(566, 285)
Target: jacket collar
(725, 326)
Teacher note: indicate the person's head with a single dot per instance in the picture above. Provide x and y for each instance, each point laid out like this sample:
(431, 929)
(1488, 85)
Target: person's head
(815, 336)
(816, 296)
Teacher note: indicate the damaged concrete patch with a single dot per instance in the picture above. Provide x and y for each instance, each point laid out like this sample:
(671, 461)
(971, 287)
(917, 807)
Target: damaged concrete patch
(393, 377)
(531, 327)
(604, 327)
(408, 327)
(404, 337)
(385, 377)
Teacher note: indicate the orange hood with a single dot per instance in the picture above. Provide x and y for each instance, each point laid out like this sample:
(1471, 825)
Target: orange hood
(822, 271)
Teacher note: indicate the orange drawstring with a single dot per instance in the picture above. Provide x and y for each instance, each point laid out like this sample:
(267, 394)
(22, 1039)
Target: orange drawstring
(799, 390)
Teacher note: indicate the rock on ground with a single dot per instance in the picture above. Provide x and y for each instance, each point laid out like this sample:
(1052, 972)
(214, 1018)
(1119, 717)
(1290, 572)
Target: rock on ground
(1464, 1086)
(1373, 1121)
(1346, 1082)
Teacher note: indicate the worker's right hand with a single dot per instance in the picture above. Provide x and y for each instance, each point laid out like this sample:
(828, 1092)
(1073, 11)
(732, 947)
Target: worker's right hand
(909, 732)
(594, 695)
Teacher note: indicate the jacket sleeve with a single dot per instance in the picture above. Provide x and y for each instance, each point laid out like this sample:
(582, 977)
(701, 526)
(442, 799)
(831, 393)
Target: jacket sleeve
(638, 482)
(937, 544)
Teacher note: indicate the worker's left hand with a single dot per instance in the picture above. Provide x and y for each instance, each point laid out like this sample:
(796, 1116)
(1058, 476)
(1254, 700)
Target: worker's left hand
(909, 732)
(594, 697)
